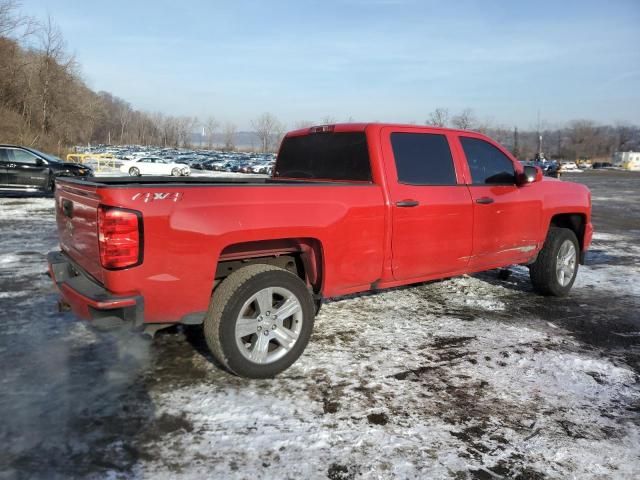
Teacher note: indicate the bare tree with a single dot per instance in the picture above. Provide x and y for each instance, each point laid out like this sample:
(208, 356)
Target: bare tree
(303, 124)
(623, 135)
(266, 127)
(54, 62)
(465, 120)
(124, 116)
(13, 24)
(516, 143)
(211, 125)
(586, 140)
(439, 117)
(229, 136)
(185, 126)
(277, 136)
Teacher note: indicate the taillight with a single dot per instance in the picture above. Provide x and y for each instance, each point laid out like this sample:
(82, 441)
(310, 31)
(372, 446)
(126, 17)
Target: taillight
(120, 237)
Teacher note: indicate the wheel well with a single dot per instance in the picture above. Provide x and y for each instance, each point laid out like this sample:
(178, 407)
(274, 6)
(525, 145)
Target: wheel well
(301, 256)
(572, 221)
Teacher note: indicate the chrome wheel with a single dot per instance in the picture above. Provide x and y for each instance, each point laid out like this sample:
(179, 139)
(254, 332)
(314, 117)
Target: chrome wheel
(268, 325)
(566, 263)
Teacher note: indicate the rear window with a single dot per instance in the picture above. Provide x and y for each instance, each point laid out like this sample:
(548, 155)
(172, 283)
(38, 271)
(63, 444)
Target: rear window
(335, 156)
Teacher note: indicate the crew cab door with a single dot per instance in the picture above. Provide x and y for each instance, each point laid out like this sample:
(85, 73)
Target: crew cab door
(432, 213)
(506, 225)
(26, 169)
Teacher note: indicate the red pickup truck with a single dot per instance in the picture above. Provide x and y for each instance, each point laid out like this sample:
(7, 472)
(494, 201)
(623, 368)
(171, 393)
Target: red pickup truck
(349, 208)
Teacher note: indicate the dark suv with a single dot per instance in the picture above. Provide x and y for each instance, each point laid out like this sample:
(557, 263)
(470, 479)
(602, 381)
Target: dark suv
(23, 168)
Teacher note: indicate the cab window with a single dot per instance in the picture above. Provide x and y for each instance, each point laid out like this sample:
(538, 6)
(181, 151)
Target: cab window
(423, 159)
(488, 165)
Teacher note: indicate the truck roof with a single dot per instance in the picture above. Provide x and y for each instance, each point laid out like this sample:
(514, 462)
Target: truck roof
(361, 127)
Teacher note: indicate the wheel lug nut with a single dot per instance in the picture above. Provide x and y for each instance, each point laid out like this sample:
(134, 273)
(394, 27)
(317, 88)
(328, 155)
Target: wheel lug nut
(273, 327)
(266, 332)
(259, 328)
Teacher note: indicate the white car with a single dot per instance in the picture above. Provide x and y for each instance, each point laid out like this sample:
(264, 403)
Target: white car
(154, 166)
(569, 167)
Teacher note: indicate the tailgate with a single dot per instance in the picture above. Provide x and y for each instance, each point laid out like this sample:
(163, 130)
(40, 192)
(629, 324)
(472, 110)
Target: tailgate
(77, 219)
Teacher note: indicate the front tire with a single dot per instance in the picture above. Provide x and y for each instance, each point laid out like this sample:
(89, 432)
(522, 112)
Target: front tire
(259, 321)
(176, 172)
(555, 269)
(51, 185)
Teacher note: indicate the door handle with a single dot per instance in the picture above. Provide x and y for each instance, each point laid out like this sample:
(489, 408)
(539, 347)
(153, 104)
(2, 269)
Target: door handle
(484, 200)
(11, 165)
(407, 203)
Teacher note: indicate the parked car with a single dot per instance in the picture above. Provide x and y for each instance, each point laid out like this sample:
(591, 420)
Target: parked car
(568, 166)
(214, 165)
(602, 165)
(550, 168)
(349, 208)
(154, 166)
(25, 168)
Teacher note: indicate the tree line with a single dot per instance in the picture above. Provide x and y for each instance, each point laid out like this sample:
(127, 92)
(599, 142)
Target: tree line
(45, 103)
(576, 140)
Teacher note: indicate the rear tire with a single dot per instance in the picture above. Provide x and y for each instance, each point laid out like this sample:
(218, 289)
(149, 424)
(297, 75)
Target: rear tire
(249, 302)
(51, 185)
(134, 172)
(556, 268)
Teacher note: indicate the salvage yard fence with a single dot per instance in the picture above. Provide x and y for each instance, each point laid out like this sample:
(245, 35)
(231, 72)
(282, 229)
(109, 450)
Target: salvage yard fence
(98, 161)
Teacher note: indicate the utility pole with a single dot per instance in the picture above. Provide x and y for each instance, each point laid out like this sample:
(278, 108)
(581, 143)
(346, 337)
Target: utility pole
(516, 147)
(539, 155)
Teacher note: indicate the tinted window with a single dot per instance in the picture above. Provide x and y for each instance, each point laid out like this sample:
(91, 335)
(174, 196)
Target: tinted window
(21, 156)
(423, 159)
(488, 165)
(47, 156)
(336, 156)
(3, 155)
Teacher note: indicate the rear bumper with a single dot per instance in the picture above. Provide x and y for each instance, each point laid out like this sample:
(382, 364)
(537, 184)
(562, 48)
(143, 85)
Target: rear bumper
(89, 300)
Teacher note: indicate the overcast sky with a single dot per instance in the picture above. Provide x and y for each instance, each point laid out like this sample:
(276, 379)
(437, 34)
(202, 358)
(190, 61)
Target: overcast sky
(386, 60)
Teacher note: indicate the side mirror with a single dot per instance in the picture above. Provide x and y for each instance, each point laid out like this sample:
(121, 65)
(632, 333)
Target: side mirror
(39, 162)
(530, 175)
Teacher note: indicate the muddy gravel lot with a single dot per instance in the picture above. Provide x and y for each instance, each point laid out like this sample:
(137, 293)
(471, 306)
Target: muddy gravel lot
(472, 377)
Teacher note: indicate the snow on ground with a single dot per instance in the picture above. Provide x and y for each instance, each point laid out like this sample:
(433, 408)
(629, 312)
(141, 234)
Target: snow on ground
(470, 377)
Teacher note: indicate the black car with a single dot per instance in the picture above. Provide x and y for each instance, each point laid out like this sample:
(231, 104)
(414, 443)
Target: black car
(24, 168)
